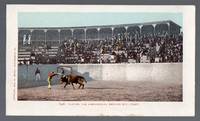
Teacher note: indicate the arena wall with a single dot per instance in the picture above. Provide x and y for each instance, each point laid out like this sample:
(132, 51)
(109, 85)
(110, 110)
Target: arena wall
(105, 72)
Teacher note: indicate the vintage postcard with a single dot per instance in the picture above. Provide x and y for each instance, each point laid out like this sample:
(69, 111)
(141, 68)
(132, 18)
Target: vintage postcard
(100, 60)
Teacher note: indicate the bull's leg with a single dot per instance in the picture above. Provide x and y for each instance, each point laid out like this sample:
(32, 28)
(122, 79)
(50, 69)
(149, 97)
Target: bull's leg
(73, 85)
(82, 86)
(79, 86)
(81, 83)
(65, 84)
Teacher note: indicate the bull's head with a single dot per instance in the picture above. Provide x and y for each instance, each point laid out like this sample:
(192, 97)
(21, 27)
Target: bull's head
(64, 79)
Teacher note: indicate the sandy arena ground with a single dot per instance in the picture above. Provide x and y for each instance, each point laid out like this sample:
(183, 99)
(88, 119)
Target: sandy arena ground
(106, 91)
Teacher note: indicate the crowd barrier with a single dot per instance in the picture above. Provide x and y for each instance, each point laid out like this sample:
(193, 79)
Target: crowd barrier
(103, 72)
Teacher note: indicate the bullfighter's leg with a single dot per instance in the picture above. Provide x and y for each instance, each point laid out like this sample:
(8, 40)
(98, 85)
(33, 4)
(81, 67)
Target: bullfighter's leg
(49, 83)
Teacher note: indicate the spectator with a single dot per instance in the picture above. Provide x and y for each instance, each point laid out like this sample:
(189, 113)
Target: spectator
(37, 74)
(158, 46)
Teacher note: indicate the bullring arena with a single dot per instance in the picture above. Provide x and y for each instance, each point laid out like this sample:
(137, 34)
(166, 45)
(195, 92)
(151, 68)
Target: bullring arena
(131, 82)
(123, 62)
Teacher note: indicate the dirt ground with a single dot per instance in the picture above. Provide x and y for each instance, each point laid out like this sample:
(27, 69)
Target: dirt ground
(106, 91)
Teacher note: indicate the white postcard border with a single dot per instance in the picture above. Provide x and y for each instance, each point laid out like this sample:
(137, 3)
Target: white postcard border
(100, 108)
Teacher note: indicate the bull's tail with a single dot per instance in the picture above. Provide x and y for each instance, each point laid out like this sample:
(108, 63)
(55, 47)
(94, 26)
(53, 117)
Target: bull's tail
(82, 78)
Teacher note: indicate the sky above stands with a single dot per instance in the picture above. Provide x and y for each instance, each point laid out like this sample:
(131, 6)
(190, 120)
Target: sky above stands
(75, 19)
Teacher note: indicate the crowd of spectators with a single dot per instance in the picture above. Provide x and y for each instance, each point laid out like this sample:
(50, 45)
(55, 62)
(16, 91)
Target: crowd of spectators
(124, 48)
(121, 48)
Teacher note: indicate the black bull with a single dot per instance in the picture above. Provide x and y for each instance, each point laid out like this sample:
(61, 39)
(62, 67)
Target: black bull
(71, 79)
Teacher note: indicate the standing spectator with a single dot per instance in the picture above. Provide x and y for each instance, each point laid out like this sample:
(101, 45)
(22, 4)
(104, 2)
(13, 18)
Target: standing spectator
(63, 71)
(37, 74)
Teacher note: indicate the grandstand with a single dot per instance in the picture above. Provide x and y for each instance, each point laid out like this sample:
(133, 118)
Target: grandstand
(159, 41)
